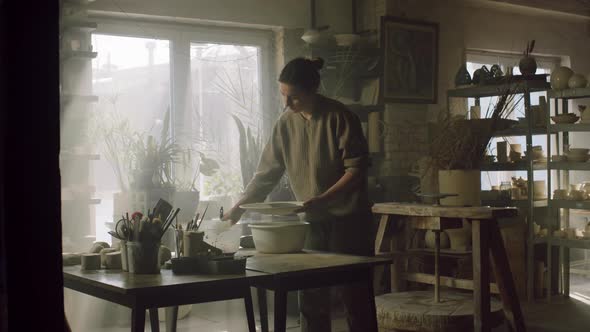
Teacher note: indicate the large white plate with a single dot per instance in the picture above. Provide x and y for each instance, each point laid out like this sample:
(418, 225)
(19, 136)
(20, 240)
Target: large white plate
(275, 208)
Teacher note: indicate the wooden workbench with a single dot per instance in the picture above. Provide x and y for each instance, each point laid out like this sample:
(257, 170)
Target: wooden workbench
(486, 240)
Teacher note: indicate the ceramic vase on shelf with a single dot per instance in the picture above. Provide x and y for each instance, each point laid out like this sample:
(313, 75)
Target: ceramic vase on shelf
(465, 183)
(560, 78)
(527, 65)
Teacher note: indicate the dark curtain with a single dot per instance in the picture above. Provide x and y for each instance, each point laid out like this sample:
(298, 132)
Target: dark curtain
(31, 282)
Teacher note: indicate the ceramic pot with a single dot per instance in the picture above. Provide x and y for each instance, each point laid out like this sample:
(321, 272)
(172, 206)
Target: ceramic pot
(460, 238)
(560, 78)
(465, 183)
(577, 81)
(430, 241)
(527, 65)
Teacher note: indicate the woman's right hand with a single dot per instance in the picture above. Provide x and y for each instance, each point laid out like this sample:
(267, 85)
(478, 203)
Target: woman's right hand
(234, 214)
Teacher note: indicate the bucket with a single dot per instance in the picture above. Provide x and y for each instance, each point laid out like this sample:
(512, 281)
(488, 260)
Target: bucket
(142, 257)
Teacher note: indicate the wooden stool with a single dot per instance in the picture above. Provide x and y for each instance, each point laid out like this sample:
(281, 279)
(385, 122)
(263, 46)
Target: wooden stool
(417, 311)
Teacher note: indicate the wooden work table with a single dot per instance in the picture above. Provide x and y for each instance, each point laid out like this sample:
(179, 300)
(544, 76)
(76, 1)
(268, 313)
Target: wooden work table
(486, 240)
(165, 289)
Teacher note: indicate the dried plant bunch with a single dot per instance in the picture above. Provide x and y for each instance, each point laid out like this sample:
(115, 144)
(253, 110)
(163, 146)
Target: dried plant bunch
(461, 144)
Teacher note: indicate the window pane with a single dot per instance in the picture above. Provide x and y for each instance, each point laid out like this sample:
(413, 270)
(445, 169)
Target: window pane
(131, 77)
(225, 83)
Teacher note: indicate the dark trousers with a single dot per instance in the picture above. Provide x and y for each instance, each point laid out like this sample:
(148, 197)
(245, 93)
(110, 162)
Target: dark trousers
(349, 235)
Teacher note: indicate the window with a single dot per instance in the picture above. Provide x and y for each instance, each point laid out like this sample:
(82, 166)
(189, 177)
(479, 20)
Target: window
(157, 85)
(477, 59)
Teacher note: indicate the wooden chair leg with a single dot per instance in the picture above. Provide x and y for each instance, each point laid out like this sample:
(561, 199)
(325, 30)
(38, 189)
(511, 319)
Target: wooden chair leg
(504, 280)
(249, 310)
(481, 276)
(280, 310)
(263, 309)
(154, 321)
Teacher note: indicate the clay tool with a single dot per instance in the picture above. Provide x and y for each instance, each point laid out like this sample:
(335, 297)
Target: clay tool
(202, 217)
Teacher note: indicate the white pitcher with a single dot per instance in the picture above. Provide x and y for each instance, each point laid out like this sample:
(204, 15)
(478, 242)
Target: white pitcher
(585, 116)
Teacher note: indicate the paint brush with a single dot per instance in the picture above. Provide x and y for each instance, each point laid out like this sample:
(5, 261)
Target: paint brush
(203, 217)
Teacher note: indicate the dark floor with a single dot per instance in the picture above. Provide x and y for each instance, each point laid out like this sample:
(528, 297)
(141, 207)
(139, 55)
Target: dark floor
(562, 315)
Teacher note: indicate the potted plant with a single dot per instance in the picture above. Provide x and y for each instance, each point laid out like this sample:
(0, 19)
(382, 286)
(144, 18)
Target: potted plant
(459, 148)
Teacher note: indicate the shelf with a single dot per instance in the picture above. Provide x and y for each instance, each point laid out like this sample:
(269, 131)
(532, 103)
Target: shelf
(443, 252)
(571, 243)
(569, 93)
(88, 201)
(570, 166)
(517, 166)
(499, 89)
(520, 131)
(81, 55)
(519, 203)
(568, 204)
(81, 156)
(79, 26)
(69, 98)
(574, 127)
(540, 240)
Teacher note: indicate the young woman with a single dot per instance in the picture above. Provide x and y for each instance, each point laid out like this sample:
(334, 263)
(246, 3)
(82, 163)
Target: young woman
(321, 146)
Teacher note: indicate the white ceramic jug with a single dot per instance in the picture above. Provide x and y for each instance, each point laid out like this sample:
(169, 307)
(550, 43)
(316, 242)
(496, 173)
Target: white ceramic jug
(584, 116)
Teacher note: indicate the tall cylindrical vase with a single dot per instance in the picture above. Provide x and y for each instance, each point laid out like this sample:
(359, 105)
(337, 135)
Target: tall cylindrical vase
(465, 183)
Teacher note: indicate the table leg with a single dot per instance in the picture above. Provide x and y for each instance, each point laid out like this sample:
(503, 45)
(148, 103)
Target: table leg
(504, 280)
(281, 310)
(154, 321)
(263, 309)
(171, 318)
(549, 267)
(137, 319)
(481, 276)
(249, 310)
(566, 272)
(436, 266)
(371, 302)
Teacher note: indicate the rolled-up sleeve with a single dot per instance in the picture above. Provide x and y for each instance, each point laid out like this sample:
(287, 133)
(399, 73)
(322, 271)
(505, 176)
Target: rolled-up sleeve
(352, 143)
(271, 167)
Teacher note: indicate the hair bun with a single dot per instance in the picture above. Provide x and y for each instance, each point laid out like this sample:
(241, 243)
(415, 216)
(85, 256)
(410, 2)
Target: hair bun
(317, 63)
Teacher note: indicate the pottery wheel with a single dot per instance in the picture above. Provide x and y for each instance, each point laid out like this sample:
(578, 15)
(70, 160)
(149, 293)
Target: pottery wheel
(417, 311)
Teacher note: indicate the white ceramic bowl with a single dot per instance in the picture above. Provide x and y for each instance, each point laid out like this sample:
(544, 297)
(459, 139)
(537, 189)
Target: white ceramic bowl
(311, 36)
(348, 39)
(578, 152)
(279, 237)
(565, 118)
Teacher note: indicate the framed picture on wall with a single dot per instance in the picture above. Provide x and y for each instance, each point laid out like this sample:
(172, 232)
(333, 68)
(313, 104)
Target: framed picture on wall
(410, 60)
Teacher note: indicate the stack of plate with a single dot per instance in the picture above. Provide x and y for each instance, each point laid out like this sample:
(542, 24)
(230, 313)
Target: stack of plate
(578, 155)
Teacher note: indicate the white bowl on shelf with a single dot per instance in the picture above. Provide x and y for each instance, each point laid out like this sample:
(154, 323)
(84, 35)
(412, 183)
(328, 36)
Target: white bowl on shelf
(577, 151)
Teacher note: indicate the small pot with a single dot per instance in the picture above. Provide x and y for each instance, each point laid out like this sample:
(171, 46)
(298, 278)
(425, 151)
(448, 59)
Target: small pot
(527, 65)
(430, 240)
(460, 238)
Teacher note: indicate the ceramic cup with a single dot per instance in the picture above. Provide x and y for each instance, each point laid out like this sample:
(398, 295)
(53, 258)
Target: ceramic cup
(516, 148)
(539, 189)
(577, 195)
(560, 194)
(574, 187)
(502, 151)
(571, 233)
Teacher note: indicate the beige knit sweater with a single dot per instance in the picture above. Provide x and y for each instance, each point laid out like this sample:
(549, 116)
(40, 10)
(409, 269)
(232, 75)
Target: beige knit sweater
(315, 153)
